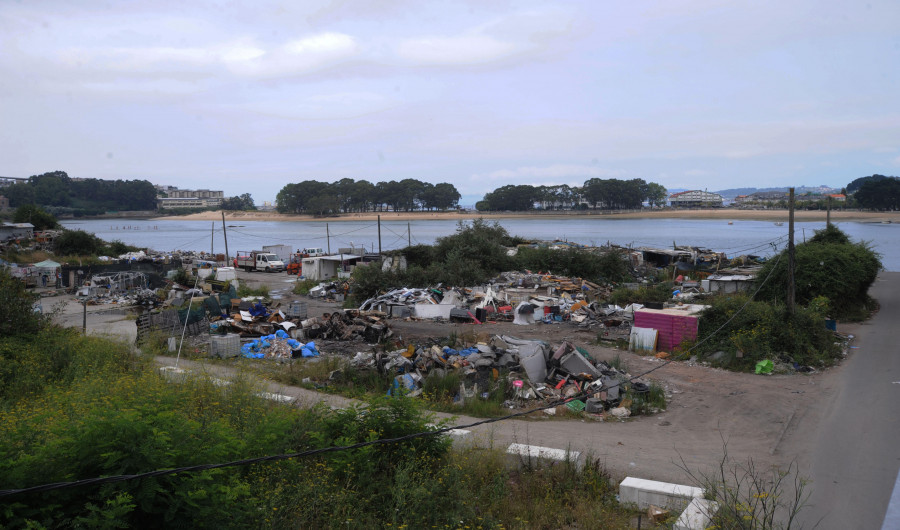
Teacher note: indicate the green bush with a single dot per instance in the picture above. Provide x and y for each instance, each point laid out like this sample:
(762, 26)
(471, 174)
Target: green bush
(117, 248)
(765, 331)
(77, 243)
(608, 266)
(16, 314)
(661, 292)
(303, 286)
(827, 265)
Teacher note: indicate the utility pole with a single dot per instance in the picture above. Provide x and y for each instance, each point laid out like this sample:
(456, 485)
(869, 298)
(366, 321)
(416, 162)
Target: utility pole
(328, 237)
(379, 235)
(225, 234)
(790, 293)
(212, 235)
(408, 235)
(828, 214)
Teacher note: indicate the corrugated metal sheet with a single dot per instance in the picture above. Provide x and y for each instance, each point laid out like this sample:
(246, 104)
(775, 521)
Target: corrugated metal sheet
(673, 329)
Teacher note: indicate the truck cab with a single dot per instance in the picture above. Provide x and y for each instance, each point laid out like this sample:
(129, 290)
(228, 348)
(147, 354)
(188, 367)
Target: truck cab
(259, 261)
(312, 252)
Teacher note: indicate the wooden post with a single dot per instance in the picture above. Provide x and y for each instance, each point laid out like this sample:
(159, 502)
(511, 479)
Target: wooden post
(379, 235)
(225, 234)
(790, 293)
(828, 214)
(328, 237)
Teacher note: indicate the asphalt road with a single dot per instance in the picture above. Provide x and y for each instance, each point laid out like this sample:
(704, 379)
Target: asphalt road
(856, 457)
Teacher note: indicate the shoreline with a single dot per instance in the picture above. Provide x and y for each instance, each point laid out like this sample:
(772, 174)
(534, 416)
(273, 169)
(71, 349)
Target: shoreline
(726, 214)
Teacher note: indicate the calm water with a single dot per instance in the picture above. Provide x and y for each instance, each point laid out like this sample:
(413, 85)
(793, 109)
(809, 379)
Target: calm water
(741, 237)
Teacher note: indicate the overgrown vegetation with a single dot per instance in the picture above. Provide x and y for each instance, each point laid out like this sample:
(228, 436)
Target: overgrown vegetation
(245, 290)
(752, 497)
(828, 265)
(81, 243)
(303, 287)
(83, 407)
(660, 292)
(16, 314)
(764, 330)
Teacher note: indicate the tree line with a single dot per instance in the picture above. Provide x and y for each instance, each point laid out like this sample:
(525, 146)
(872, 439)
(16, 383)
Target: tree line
(610, 194)
(876, 192)
(349, 196)
(57, 192)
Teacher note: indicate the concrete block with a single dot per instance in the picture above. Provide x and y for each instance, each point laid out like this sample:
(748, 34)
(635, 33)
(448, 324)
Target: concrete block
(697, 516)
(548, 454)
(643, 493)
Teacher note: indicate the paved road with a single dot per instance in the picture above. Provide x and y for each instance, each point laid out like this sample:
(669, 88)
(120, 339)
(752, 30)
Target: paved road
(855, 462)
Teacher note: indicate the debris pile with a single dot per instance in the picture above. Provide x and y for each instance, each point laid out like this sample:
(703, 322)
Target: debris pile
(278, 346)
(533, 371)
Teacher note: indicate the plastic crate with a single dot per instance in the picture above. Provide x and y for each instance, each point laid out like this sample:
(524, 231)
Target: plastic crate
(297, 309)
(225, 345)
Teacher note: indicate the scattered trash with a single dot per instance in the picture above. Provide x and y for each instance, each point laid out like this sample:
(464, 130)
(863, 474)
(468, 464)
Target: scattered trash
(765, 366)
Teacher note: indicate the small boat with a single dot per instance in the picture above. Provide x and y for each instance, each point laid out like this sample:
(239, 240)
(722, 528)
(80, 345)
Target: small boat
(779, 223)
(731, 222)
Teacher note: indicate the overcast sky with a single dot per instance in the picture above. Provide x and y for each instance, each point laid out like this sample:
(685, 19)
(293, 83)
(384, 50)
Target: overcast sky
(248, 96)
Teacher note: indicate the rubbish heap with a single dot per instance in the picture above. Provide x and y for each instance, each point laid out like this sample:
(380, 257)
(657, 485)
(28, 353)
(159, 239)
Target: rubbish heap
(534, 371)
(278, 346)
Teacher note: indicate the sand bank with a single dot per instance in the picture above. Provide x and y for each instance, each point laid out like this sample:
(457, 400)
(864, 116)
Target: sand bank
(719, 213)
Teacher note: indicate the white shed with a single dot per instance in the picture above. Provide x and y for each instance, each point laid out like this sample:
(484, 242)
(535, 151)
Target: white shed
(325, 267)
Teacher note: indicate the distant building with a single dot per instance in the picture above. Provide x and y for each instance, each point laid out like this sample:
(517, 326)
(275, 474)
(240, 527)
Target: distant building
(840, 197)
(11, 231)
(695, 199)
(189, 198)
(9, 181)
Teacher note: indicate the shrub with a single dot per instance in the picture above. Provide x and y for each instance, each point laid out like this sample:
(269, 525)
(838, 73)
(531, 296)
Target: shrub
(824, 266)
(661, 292)
(764, 331)
(16, 314)
(77, 242)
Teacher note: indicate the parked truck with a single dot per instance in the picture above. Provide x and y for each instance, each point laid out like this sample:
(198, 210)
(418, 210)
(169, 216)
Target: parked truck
(256, 260)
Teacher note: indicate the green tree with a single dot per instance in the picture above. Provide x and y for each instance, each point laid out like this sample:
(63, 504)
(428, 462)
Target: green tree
(512, 197)
(241, 202)
(30, 213)
(879, 194)
(656, 194)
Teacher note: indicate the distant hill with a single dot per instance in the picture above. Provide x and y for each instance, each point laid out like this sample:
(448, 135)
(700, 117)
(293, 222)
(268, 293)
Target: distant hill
(734, 192)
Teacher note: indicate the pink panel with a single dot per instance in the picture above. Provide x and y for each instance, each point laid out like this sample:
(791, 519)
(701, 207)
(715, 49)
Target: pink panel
(672, 328)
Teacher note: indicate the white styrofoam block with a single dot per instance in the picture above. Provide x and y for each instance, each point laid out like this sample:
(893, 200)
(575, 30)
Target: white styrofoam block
(697, 516)
(432, 310)
(644, 492)
(546, 453)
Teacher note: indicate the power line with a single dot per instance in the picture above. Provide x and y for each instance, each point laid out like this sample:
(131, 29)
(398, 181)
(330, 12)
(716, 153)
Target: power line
(382, 441)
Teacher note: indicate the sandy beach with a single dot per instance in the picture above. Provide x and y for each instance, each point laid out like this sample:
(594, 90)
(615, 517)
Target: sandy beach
(719, 213)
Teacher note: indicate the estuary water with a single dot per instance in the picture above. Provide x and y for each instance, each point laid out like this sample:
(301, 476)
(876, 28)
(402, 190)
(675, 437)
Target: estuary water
(737, 238)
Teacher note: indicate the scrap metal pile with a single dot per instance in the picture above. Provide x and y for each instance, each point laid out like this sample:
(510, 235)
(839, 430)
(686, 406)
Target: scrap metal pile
(534, 369)
(256, 319)
(523, 298)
